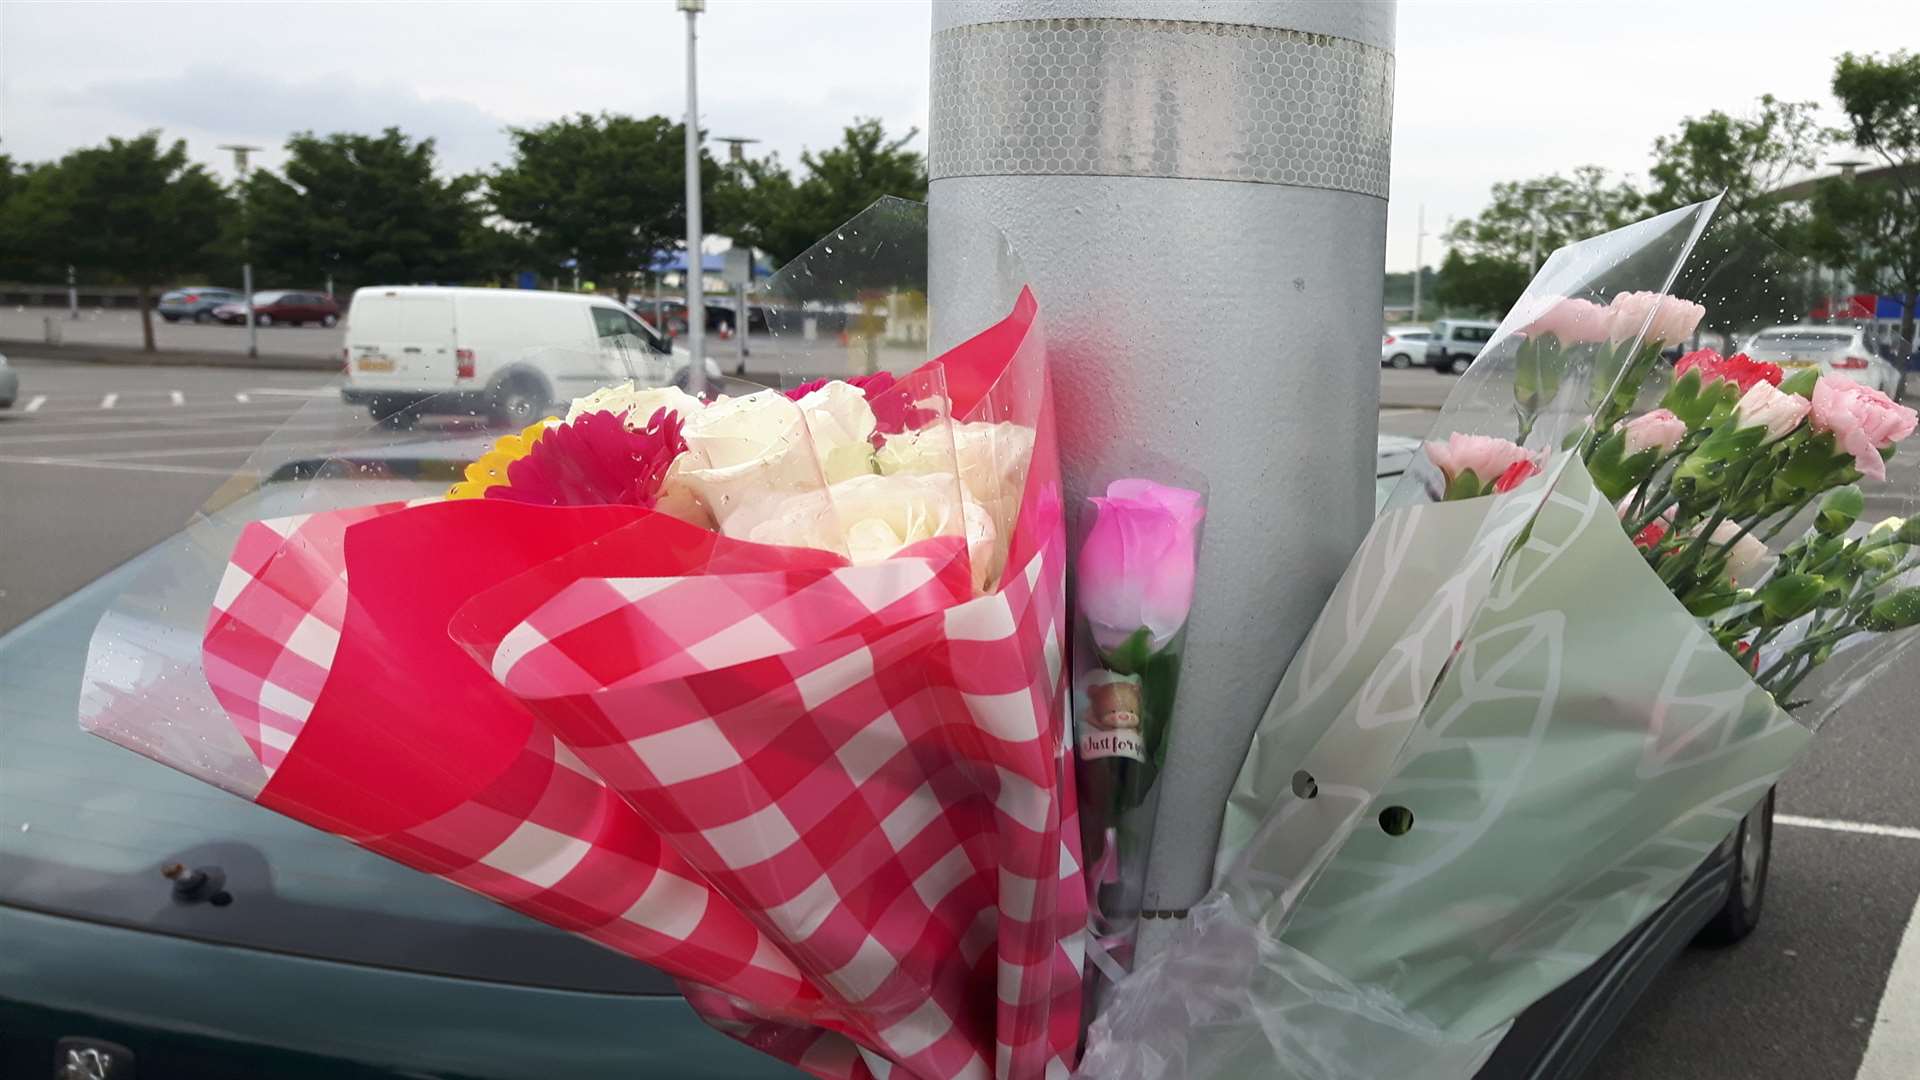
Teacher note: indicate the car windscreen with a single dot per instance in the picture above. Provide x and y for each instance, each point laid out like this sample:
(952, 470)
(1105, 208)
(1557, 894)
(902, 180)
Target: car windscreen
(1781, 347)
(87, 827)
(260, 298)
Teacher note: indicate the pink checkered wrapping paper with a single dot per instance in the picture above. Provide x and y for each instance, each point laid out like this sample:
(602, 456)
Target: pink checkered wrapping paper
(832, 800)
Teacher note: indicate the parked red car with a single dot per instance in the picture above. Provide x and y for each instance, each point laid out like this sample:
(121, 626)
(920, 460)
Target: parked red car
(292, 308)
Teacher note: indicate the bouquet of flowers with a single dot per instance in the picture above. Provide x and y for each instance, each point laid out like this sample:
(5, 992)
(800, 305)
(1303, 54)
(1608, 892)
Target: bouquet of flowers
(1557, 673)
(765, 691)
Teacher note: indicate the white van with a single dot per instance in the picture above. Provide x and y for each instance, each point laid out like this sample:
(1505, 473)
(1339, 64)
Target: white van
(511, 354)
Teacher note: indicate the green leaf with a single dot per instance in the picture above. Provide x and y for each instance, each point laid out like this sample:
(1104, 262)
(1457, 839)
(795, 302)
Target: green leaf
(1683, 400)
(1786, 598)
(1130, 656)
(1839, 510)
(1896, 612)
(1801, 382)
(1465, 485)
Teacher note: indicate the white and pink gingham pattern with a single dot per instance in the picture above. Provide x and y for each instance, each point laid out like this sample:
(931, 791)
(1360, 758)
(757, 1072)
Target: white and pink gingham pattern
(275, 623)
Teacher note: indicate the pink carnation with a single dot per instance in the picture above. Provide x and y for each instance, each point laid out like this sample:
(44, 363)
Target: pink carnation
(1764, 406)
(1863, 421)
(1667, 319)
(1572, 321)
(1657, 430)
(1486, 456)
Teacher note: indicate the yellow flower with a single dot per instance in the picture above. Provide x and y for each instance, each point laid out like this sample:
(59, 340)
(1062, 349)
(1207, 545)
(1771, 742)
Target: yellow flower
(491, 469)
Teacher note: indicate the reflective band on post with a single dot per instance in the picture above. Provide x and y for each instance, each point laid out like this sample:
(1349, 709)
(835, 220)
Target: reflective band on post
(1161, 98)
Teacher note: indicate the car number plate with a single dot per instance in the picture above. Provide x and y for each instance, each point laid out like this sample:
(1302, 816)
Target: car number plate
(375, 363)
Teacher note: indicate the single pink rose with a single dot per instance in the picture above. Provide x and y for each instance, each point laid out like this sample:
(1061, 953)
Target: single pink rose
(1657, 430)
(1574, 322)
(1136, 569)
(1765, 405)
(1487, 456)
(1863, 421)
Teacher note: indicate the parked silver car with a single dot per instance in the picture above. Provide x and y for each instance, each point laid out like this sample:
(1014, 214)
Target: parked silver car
(1836, 350)
(1455, 342)
(9, 384)
(1401, 344)
(196, 303)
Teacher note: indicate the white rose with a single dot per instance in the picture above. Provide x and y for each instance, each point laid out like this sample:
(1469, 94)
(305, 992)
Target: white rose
(870, 518)
(990, 458)
(743, 449)
(841, 424)
(638, 404)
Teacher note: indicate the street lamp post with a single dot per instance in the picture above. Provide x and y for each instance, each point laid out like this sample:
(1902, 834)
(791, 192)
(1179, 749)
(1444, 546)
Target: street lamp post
(1178, 178)
(246, 245)
(742, 321)
(73, 296)
(1419, 268)
(696, 265)
(1533, 228)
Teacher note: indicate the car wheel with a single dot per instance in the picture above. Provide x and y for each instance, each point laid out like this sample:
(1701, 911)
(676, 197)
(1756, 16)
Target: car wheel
(202, 317)
(171, 318)
(1747, 887)
(1401, 361)
(262, 320)
(518, 402)
(1461, 364)
(329, 321)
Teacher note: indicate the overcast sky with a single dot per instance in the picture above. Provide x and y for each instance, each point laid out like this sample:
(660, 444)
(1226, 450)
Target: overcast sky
(1485, 91)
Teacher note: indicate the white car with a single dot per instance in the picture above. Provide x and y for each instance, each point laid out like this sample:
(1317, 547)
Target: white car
(1401, 345)
(1836, 350)
(509, 354)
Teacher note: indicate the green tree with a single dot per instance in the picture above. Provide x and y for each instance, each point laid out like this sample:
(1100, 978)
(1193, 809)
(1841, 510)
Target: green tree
(1482, 284)
(757, 199)
(1528, 219)
(364, 210)
(1872, 225)
(770, 210)
(1746, 268)
(607, 190)
(129, 209)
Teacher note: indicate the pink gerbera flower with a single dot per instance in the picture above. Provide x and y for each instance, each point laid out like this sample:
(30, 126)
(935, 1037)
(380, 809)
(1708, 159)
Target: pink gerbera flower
(596, 461)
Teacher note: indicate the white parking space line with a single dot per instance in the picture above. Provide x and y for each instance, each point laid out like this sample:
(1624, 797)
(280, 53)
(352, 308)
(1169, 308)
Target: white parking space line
(110, 401)
(1893, 1050)
(1898, 832)
(127, 466)
(181, 432)
(295, 391)
(33, 405)
(242, 398)
(178, 397)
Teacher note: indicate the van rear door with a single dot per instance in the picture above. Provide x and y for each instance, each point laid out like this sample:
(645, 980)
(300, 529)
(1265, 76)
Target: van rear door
(401, 341)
